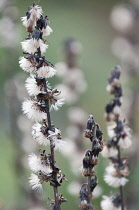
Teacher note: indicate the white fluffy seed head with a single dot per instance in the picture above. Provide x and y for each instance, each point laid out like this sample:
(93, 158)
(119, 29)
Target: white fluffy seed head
(69, 95)
(56, 141)
(32, 45)
(77, 115)
(59, 103)
(127, 131)
(39, 136)
(24, 20)
(110, 169)
(117, 110)
(26, 65)
(47, 31)
(74, 188)
(33, 162)
(109, 88)
(61, 69)
(97, 192)
(112, 180)
(35, 183)
(36, 164)
(46, 72)
(69, 147)
(32, 87)
(28, 23)
(56, 132)
(107, 204)
(35, 14)
(111, 133)
(122, 18)
(109, 152)
(110, 130)
(32, 111)
(125, 142)
(123, 49)
(84, 204)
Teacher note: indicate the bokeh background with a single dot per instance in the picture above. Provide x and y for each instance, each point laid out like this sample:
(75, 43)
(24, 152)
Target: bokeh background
(89, 23)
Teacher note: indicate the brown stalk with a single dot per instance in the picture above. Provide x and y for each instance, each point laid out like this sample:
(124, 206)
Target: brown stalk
(57, 204)
(121, 187)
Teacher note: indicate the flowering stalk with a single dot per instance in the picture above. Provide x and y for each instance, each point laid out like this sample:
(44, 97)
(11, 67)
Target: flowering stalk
(124, 49)
(90, 160)
(120, 136)
(43, 100)
(69, 71)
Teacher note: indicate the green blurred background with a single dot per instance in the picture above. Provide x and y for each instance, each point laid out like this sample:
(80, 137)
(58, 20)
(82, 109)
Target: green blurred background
(88, 22)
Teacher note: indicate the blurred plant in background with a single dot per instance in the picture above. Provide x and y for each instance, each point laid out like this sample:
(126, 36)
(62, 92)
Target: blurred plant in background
(8, 41)
(73, 82)
(8, 35)
(125, 46)
(73, 85)
(125, 20)
(120, 135)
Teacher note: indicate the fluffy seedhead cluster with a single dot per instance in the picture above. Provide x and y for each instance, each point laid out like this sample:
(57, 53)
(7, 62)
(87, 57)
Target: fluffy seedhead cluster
(43, 100)
(125, 46)
(124, 18)
(69, 71)
(90, 160)
(8, 12)
(120, 135)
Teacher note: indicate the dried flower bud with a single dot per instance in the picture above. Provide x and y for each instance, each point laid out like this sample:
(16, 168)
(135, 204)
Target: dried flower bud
(93, 183)
(88, 134)
(90, 123)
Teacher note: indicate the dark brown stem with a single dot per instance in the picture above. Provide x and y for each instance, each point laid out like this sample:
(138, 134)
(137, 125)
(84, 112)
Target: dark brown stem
(122, 198)
(121, 187)
(89, 177)
(57, 204)
(89, 181)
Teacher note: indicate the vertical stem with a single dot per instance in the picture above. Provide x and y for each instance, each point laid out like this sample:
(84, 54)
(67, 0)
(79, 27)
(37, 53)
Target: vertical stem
(89, 177)
(57, 204)
(121, 187)
(89, 181)
(122, 198)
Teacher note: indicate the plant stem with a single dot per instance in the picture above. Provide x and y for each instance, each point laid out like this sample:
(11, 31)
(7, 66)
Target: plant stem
(89, 181)
(90, 170)
(57, 204)
(121, 187)
(122, 198)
